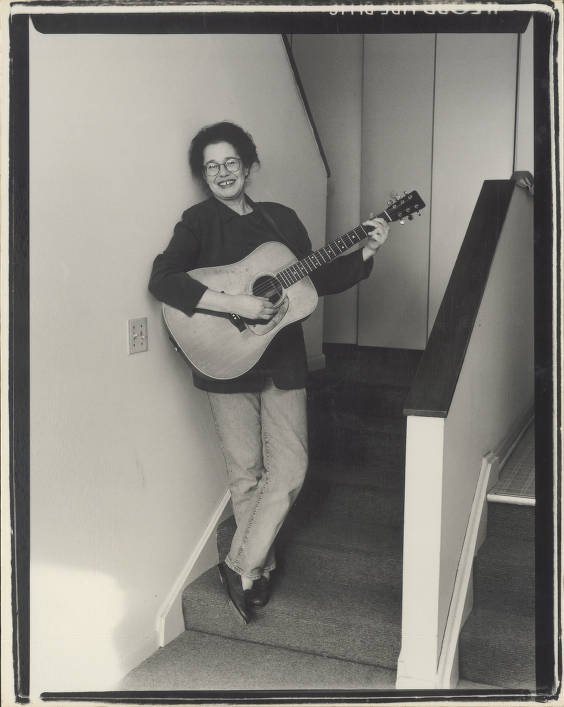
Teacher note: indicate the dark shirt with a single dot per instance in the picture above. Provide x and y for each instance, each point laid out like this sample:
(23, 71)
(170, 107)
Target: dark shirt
(212, 234)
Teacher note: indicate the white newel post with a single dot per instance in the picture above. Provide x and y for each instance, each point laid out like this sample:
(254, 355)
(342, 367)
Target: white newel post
(420, 643)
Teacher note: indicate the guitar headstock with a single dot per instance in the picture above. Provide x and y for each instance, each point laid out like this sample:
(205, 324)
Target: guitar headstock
(402, 207)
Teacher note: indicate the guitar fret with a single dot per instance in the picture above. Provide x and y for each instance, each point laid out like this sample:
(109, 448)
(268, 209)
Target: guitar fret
(285, 278)
(326, 254)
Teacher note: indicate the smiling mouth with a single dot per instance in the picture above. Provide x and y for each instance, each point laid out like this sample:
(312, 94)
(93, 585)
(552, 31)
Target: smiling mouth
(226, 182)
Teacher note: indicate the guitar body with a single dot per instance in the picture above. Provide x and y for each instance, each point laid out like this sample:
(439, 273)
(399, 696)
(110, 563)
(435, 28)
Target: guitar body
(224, 346)
(213, 343)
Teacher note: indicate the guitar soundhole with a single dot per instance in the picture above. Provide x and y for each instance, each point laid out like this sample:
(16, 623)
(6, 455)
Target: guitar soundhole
(268, 286)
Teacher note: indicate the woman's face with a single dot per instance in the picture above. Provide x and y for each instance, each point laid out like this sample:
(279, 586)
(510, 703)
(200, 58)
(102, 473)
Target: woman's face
(226, 185)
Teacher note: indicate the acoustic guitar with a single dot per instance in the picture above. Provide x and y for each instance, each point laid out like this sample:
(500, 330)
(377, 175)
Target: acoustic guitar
(224, 346)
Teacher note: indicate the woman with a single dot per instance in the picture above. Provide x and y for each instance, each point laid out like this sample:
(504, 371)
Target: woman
(261, 416)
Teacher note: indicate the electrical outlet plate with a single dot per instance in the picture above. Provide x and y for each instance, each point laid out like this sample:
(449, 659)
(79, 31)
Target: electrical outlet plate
(137, 335)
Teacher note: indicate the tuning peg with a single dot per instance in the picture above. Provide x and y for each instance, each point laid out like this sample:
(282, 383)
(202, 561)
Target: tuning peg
(395, 195)
(390, 202)
(402, 221)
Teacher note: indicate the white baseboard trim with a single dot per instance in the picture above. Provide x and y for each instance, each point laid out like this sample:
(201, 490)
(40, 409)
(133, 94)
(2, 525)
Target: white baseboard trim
(447, 672)
(169, 618)
(316, 363)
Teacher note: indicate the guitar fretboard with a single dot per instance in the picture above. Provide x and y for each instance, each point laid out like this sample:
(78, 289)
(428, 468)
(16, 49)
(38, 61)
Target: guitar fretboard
(301, 268)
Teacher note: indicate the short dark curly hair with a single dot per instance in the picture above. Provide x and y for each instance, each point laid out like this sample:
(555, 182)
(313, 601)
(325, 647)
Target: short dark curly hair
(221, 132)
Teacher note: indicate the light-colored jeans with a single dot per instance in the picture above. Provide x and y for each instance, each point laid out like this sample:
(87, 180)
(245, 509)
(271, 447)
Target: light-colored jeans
(264, 440)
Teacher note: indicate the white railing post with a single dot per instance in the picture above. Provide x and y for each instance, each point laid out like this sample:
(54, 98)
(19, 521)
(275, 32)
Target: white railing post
(420, 643)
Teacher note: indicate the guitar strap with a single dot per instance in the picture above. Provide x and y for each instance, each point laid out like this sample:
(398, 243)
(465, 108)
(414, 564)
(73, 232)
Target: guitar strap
(270, 221)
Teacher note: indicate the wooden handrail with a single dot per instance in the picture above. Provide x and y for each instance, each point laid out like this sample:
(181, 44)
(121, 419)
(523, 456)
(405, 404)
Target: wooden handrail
(437, 375)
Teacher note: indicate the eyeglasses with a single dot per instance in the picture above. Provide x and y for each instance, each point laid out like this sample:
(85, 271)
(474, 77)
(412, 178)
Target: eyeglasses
(231, 164)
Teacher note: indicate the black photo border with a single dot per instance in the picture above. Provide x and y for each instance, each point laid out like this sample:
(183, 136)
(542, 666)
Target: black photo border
(547, 307)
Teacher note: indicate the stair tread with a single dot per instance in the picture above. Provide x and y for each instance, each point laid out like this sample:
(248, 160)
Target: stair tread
(305, 615)
(505, 520)
(352, 505)
(375, 540)
(520, 627)
(351, 420)
(369, 363)
(498, 648)
(504, 575)
(508, 550)
(298, 584)
(203, 661)
(378, 546)
(340, 565)
(377, 400)
(361, 473)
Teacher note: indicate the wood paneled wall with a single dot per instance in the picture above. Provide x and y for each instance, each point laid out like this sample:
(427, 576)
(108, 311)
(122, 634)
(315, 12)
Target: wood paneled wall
(438, 116)
(397, 138)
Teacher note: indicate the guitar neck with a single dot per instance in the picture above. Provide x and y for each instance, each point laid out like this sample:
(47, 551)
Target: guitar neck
(323, 256)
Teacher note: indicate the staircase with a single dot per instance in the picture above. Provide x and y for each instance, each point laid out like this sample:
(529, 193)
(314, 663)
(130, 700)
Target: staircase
(334, 618)
(497, 643)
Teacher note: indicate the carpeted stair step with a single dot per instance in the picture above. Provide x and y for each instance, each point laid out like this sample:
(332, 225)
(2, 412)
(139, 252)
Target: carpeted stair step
(375, 546)
(357, 441)
(343, 568)
(371, 400)
(504, 576)
(378, 474)
(311, 611)
(386, 428)
(355, 505)
(347, 508)
(202, 661)
(370, 364)
(513, 521)
(497, 648)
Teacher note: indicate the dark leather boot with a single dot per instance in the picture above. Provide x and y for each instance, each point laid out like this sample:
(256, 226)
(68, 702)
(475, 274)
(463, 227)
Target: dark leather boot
(237, 597)
(259, 594)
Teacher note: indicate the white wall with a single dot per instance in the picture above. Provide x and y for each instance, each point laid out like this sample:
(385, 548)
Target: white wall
(124, 466)
(496, 384)
(330, 68)
(494, 391)
(473, 139)
(397, 155)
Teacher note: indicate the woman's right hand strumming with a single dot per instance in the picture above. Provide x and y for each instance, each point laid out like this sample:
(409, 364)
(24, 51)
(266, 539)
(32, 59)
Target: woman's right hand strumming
(251, 307)
(246, 306)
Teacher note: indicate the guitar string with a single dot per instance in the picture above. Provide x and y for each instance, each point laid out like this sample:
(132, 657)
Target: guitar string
(263, 289)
